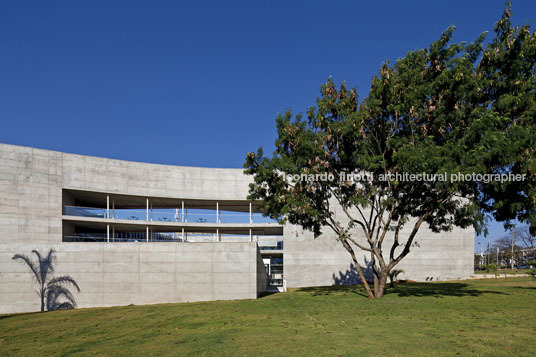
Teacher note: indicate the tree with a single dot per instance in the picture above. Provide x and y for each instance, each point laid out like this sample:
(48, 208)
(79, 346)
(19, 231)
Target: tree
(431, 112)
(502, 251)
(51, 289)
(523, 245)
(393, 274)
(525, 238)
(507, 70)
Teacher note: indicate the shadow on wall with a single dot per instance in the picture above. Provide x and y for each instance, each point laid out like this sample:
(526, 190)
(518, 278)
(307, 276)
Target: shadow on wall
(52, 291)
(351, 277)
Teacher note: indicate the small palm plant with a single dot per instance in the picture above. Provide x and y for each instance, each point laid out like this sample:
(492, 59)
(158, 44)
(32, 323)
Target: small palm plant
(393, 274)
(51, 289)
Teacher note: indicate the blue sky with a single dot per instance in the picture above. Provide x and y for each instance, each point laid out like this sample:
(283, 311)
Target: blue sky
(198, 83)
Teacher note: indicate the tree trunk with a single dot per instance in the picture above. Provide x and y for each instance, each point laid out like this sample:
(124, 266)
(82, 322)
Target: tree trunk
(381, 286)
(362, 277)
(374, 274)
(376, 283)
(358, 268)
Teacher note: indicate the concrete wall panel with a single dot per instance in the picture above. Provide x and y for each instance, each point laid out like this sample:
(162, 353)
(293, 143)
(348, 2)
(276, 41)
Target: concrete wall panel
(132, 273)
(31, 183)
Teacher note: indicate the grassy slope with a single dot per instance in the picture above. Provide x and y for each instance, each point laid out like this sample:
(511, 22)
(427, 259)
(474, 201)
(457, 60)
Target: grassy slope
(504, 271)
(493, 316)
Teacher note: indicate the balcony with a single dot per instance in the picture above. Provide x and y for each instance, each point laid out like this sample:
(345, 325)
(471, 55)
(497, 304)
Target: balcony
(98, 216)
(166, 237)
(168, 215)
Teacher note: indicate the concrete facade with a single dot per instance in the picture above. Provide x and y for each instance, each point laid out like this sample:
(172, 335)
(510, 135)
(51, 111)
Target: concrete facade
(323, 261)
(145, 273)
(33, 184)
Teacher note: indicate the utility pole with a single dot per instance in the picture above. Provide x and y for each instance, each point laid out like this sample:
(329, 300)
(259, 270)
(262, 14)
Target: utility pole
(512, 261)
(488, 260)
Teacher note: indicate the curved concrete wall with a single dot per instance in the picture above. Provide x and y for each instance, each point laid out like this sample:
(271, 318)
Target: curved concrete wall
(133, 178)
(31, 183)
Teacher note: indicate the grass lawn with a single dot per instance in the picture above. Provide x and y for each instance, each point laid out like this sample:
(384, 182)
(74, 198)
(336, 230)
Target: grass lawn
(504, 271)
(484, 317)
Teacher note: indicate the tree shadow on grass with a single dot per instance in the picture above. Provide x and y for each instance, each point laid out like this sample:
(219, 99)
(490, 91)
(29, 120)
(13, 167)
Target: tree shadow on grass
(349, 282)
(525, 287)
(356, 289)
(405, 290)
(438, 289)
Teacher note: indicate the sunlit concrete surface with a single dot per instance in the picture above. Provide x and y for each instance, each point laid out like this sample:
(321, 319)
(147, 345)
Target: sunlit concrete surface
(222, 262)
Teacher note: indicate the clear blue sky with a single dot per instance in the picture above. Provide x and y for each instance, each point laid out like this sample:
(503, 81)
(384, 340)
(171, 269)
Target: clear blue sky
(198, 83)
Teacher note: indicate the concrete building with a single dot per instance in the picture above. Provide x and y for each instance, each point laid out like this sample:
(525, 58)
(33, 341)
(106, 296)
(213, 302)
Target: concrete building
(137, 233)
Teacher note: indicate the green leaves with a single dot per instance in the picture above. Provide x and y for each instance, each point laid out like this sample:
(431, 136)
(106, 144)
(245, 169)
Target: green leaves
(508, 72)
(452, 108)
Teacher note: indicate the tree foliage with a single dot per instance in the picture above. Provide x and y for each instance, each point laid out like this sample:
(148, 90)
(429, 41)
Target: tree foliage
(508, 72)
(446, 110)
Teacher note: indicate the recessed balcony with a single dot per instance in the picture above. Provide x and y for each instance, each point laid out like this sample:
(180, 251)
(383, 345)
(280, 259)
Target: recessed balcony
(168, 215)
(97, 216)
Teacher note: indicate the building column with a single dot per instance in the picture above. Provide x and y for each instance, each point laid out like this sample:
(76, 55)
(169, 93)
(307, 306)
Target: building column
(250, 236)
(217, 212)
(108, 232)
(107, 206)
(250, 214)
(182, 212)
(147, 233)
(147, 210)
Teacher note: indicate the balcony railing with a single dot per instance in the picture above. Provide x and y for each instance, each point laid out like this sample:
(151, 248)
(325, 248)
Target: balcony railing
(155, 237)
(277, 246)
(168, 215)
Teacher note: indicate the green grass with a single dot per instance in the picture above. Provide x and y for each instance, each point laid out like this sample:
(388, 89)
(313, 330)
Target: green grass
(504, 271)
(485, 317)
